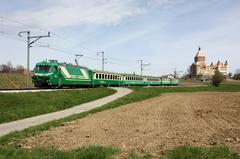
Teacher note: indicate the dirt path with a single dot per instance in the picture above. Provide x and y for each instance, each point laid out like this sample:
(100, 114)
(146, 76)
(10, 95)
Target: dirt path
(154, 125)
(28, 122)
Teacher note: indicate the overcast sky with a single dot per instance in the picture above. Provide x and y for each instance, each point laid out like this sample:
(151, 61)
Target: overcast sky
(165, 33)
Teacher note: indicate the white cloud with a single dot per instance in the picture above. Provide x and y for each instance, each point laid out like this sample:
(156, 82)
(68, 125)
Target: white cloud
(80, 12)
(64, 13)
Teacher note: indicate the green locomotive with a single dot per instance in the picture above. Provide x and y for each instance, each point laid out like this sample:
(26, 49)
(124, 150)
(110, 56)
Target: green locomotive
(54, 74)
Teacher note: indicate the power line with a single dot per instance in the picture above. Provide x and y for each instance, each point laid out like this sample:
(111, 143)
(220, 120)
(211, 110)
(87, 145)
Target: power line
(11, 36)
(24, 24)
(116, 61)
(44, 30)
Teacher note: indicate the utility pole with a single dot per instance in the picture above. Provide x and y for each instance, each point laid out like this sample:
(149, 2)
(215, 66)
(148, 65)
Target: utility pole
(175, 73)
(103, 59)
(143, 65)
(29, 45)
(77, 56)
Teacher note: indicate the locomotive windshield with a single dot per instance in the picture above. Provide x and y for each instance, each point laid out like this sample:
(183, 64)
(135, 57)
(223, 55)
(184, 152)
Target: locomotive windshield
(43, 68)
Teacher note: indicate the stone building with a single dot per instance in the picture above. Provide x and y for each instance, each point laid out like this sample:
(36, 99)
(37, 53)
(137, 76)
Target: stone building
(201, 68)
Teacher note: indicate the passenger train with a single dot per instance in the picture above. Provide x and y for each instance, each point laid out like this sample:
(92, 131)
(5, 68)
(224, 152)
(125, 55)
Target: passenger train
(52, 74)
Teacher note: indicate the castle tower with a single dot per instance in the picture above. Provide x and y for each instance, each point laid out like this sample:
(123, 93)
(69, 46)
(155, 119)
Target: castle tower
(200, 57)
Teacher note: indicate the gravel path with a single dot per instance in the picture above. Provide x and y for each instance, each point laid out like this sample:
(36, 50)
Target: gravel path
(28, 122)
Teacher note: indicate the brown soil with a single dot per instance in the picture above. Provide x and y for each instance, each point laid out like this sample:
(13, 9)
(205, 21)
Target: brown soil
(154, 125)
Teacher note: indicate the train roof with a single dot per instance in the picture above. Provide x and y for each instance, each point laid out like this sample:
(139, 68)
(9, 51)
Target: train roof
(124, 74)
(55, 62)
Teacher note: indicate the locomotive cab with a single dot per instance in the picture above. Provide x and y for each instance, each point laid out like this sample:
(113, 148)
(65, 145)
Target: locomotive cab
(45, 74)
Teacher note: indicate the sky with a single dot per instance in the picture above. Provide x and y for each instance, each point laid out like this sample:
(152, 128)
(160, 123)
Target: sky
(164, 33)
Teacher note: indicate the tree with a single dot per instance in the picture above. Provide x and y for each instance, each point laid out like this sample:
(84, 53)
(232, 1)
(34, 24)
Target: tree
(217, 78)
(9, 66)
(236, 76)
(230, 75)
(20, 69)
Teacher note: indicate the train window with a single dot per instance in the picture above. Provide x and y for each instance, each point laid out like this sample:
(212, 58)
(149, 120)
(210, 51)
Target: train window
(96, 76)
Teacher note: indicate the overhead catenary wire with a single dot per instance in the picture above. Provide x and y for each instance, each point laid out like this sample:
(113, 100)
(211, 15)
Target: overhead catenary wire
(71, 52)
(53, 33)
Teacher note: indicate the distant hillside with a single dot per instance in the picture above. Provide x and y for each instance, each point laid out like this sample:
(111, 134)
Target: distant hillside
(13, 81)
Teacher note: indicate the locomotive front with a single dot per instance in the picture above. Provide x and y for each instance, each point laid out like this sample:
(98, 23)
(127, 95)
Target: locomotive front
(45, 74)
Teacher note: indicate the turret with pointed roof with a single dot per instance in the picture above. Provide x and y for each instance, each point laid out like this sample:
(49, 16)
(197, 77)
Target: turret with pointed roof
(199, 56)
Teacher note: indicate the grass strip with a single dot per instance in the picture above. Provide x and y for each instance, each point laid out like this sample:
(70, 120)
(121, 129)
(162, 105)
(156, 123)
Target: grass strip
(15, 106)
(190, 152)
(90, 152)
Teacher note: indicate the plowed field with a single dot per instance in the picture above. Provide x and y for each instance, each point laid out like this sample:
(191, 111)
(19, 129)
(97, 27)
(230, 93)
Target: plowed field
(154, 125)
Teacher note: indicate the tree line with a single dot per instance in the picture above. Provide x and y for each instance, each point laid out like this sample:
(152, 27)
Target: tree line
(9, 68)
(236, 76)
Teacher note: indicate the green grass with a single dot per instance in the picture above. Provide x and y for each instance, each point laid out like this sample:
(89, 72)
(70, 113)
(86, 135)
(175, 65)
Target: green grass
(10, 142)
(13, 81)
(91, 152)
(16, 106)
(189, 152)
